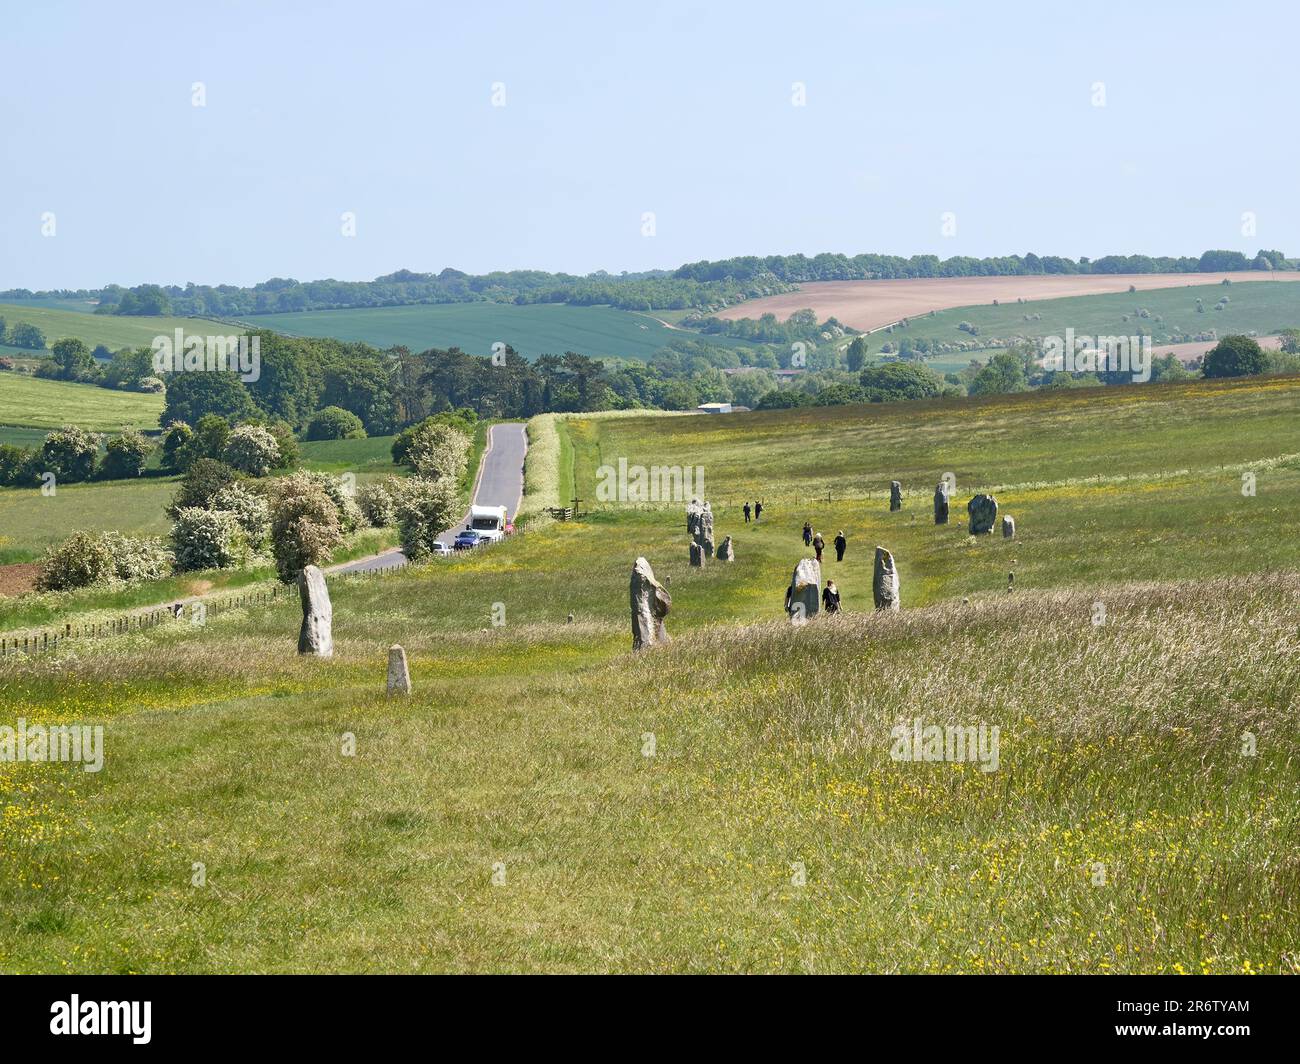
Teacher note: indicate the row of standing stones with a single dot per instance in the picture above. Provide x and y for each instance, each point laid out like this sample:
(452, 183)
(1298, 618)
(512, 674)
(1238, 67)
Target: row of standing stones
(982, 510)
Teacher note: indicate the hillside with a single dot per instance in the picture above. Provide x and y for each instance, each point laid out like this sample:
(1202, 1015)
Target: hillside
(737, 785)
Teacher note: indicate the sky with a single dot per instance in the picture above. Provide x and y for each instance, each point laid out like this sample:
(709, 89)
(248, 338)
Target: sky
(575, 136)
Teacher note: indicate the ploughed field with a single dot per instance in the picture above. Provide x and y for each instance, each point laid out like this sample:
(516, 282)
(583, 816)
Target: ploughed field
(547, 801)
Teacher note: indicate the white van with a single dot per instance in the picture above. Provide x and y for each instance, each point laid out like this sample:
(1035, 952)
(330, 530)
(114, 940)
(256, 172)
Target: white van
(488, 521)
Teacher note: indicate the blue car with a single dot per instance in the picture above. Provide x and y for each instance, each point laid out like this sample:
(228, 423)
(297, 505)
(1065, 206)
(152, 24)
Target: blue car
(467, 539)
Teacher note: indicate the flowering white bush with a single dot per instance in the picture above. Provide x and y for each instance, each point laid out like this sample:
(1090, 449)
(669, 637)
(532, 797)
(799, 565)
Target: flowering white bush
(427, 507)
(250, 509)
(376, 504)
(207, 539)
(251, 449)
(304, 524)
(102, 559)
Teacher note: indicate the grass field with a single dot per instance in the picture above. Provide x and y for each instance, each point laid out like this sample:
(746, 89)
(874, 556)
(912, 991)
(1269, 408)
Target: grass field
(32, 402)
(1125, 830)
(551, 328)
(58, 319)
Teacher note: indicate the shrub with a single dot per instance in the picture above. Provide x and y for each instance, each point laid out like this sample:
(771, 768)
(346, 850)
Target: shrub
(150, 384)
(207, 539)
(304, 525)
(349, 513)
(252, 449)
(103, 559)
(17, 465)
(250, 510)
(376, 504)
(435, 450)
(201, 482)
(126, 456)
(335, 423)
(428, 507)
(69, 453)
(177, 435)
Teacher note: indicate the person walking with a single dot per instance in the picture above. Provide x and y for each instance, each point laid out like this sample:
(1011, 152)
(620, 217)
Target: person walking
(819, 545)
(807, 534)
(831, 597)
(758, 511)
(840, 544)
(746, 513)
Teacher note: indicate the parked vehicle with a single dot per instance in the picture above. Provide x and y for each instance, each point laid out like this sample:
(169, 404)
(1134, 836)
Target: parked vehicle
(441, 550)
(468, 539)
(488, 521)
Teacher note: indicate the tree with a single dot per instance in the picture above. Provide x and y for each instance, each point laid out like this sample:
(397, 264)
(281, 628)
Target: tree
(426, 509)
(1290, 341)
(174, 439)
(335, 423)
(1234, 356)
(73, 358)
(288, 383)
(207, 441)
(251, 450)
(857, 353)
(304, 525)
(125, 456)
(1004, 375)
(437, 450)
(70, 454)
(896, 381)
(27, 336)
(128, 367)
(202, 481)
(207, 539)
(192, 394)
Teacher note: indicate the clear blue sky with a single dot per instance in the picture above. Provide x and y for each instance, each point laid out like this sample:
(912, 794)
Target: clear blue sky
(614, 109)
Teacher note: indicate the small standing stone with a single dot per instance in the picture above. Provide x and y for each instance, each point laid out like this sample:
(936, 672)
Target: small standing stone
(726, 552)
(704, 532)
(399, 677)
(570, 620)
(697, 555)
(650, 605)
(1008, 528)
(317, 633)
(941, 503)
(895, 496)
(983, 511)
(884, 582)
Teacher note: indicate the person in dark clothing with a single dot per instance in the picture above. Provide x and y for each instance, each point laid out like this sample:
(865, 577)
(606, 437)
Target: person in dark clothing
(807, 534)
(831, 597)
(840, 544)
(746, 513)
(758, 510)
(819, 545)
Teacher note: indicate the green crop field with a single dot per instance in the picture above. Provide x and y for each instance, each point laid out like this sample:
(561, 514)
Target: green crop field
(58, 319)
(547, 801)
(1262, 307)
(541, 329)
(32, 402)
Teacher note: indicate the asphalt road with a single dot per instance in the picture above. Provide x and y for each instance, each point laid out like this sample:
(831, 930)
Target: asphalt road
(500, 483)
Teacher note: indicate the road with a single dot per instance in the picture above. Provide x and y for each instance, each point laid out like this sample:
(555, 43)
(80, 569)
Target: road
(500, 483)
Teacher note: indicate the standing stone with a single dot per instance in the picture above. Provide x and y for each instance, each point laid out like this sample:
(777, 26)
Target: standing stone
(726, 552)
(399, 677)
(650, 605)
(317, 633)
(983, 510)
(570, 620)
(704, 535)
(884, 582)
(1008, 527)
(697, 555)
(693, 517)
(941, 503)
(895, 496)
(805, 595)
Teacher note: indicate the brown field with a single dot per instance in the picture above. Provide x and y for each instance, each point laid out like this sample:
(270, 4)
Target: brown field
(870, 305)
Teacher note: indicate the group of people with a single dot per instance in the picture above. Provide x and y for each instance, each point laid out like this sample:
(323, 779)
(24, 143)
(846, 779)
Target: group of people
(818, 542)
(757, 511)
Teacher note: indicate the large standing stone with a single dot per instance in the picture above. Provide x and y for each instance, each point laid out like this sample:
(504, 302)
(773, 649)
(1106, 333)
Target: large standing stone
(726, 552)
(983, 510)
(1008, 528)
(693, 512)
(399, 677)
(941, 503)
(704, 535)
(317, 633)
(650, 605)
(884, 583)
(895, 496)
(805, 595)
(697, 554)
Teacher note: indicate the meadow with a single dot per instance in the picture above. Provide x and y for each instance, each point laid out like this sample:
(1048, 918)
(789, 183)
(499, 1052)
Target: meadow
(547, 801)
(532, 330)
(58, 319)
(35, 403)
